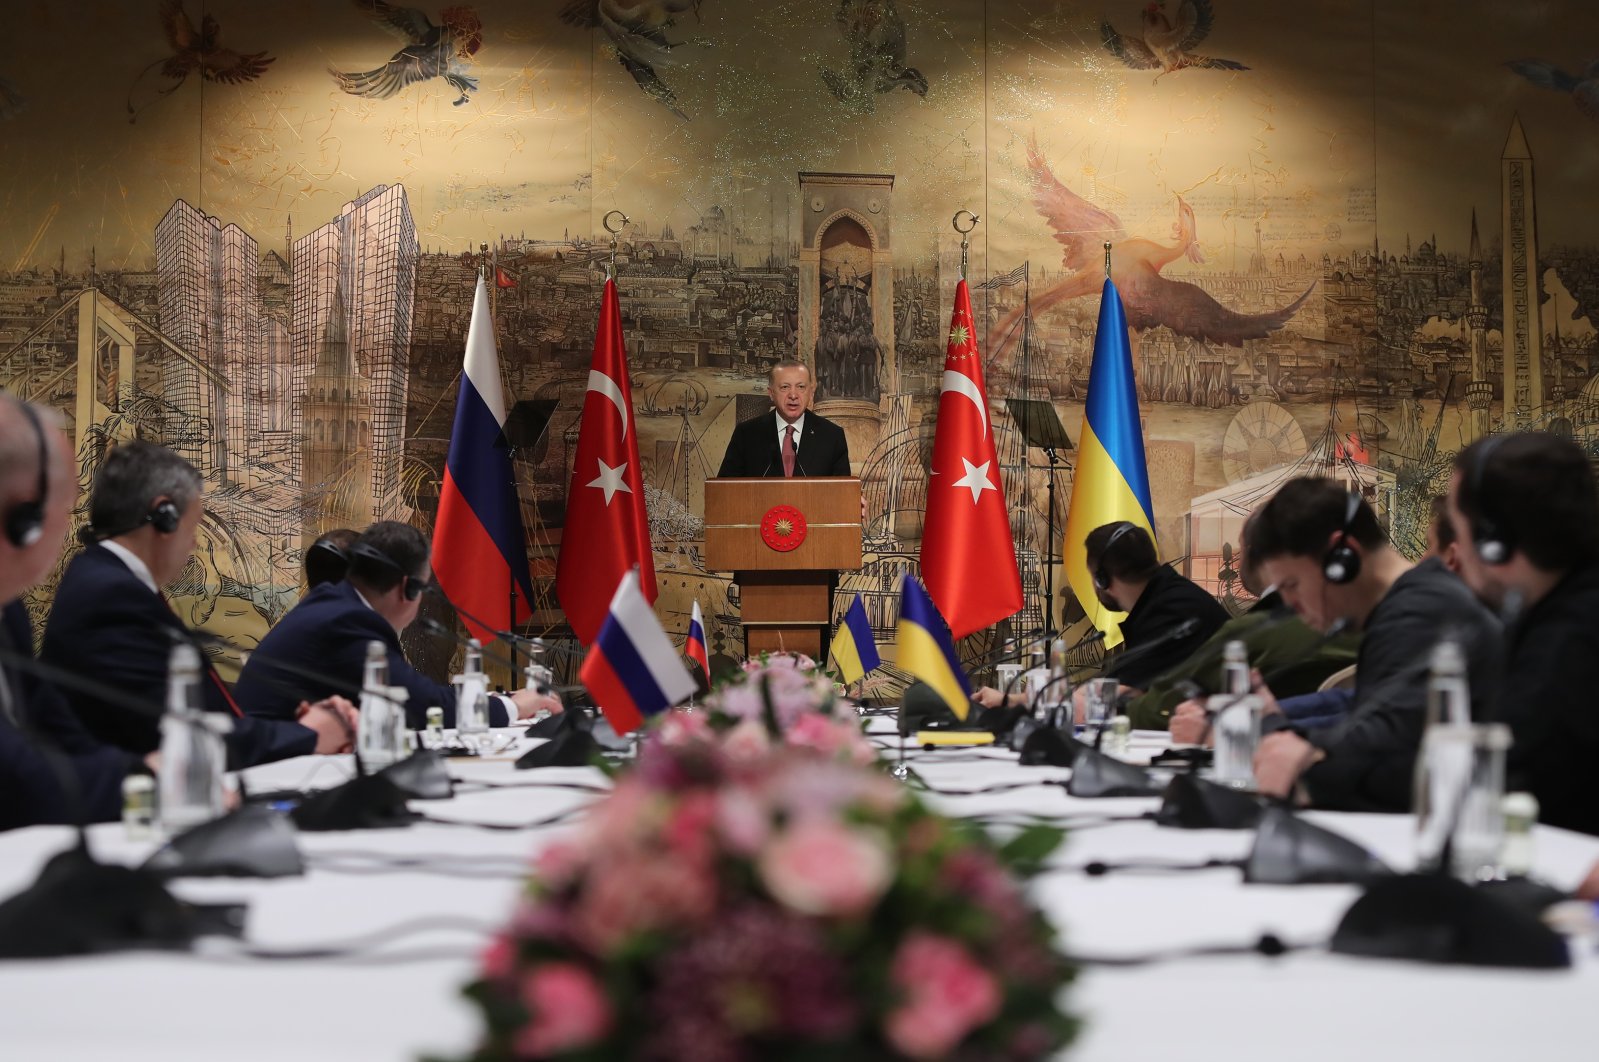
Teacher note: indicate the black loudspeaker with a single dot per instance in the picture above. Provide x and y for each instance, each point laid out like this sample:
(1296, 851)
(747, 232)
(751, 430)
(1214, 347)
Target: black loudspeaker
(422, 775)
(368, 802)
(1434, 918)
(1192, 803)
(1048, 747)
(573, 748)
(252, 842)
(1290, 851)
(81, 907)
(1095, 774)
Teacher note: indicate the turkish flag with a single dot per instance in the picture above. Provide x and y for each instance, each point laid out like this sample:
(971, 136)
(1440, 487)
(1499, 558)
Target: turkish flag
(606, 530)
(502, 279)
(968, 556)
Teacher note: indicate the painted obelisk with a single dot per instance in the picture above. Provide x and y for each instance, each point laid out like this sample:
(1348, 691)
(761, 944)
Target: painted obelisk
(1523, 342)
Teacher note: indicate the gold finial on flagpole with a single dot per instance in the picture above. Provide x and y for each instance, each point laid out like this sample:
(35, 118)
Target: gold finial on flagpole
(966, 244)
(1107, 259)
(605, 222)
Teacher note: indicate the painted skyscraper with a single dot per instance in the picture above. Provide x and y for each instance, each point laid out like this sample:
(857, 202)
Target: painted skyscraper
(365, 261)
(335, 410)
(206, 284)
(1522, 327)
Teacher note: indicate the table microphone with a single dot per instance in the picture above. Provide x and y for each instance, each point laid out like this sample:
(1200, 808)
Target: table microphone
(1170, 634)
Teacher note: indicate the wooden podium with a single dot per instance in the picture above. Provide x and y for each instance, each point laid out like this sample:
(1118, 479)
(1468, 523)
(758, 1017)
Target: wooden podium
(786, 540)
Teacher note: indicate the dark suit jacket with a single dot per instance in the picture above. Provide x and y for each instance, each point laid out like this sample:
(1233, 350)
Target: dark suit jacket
(1551, 672)
(327, 633)
(753, 450)
(51, 770)
(108, 625)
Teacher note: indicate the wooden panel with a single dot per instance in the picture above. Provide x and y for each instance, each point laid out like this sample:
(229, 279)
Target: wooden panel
(784, 601)
(831, 507)
(807, 640)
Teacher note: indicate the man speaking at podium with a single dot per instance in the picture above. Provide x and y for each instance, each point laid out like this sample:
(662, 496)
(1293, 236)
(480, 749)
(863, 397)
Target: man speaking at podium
(794, 442)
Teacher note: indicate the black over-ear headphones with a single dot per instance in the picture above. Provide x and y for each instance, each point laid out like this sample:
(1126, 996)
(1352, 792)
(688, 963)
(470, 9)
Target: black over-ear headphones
(410, 586)
(1341, 564)
(1101, 573)
(1493, 543)
(332, 552)
(24, 521)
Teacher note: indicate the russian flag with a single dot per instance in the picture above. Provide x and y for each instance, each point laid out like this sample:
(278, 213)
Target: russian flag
(479, 546)
(694, 647)
(633, 669)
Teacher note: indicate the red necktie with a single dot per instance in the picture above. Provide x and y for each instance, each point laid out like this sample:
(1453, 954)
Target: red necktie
(205, 662)
(789, 453)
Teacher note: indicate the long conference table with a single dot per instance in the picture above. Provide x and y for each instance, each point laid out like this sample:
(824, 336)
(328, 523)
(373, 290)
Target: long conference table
(399, 998)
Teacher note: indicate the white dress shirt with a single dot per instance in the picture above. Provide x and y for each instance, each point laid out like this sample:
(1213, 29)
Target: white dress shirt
(140, 570)
(782, 429)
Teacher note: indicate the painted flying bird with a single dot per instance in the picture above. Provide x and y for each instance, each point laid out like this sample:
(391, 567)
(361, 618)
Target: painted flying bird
(197, 51)
(637, 30)
(430, 51)
(1150, 299)
(1583, 87)
(876, 35)
(1163, 44)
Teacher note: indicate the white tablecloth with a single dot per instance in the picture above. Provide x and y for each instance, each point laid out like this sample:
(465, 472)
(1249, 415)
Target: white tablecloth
(1306, 1005)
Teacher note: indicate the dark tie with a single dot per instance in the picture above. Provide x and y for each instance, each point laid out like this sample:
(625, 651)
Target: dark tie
(789, 453)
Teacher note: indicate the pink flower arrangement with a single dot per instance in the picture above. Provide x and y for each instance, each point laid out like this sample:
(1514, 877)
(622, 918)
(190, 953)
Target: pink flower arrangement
(742, 896)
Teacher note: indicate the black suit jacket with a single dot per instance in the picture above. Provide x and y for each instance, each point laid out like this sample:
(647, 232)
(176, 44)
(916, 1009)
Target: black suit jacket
(753, 450)
(328, 632)
(51, 770)
(107, 624)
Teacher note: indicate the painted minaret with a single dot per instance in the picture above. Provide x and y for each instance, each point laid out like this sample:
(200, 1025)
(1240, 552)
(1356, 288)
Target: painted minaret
(1523, 347)
(1480, 390)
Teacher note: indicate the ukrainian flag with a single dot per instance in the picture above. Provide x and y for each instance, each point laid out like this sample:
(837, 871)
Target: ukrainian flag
(1112, 479)
(927, 652)
(853, 649)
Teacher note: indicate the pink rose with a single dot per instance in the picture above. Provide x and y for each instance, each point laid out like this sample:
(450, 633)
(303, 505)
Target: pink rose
(560, 863)
(746, 743)
(567, 1008)
(742, 820)
(499, 958)
(947, 995)
(839, 738)
(641, 892)
(821, 867)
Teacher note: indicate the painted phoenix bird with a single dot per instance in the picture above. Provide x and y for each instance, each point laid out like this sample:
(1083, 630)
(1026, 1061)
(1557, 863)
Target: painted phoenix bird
(1151, 300)
(430, 51)
(1165, 45)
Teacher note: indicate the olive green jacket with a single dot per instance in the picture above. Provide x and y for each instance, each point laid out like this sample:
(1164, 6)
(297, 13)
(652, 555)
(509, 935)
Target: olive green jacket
(1288, 645)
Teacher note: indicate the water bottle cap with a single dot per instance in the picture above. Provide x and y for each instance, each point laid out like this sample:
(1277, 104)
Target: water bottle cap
(1447, 658)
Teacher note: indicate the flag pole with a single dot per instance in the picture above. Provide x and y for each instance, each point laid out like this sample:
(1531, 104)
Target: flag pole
(491, 278)
(605, 222)
(966, 243)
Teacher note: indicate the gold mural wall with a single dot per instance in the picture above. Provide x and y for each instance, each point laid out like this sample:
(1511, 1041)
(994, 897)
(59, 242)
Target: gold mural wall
(251, 231)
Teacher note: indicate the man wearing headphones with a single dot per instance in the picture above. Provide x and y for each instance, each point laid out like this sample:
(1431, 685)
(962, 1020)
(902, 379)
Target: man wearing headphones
(1322, 547)
(51, 769)
(1129, 577)
(110, 620)
(325, 636)
(1526, 516)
